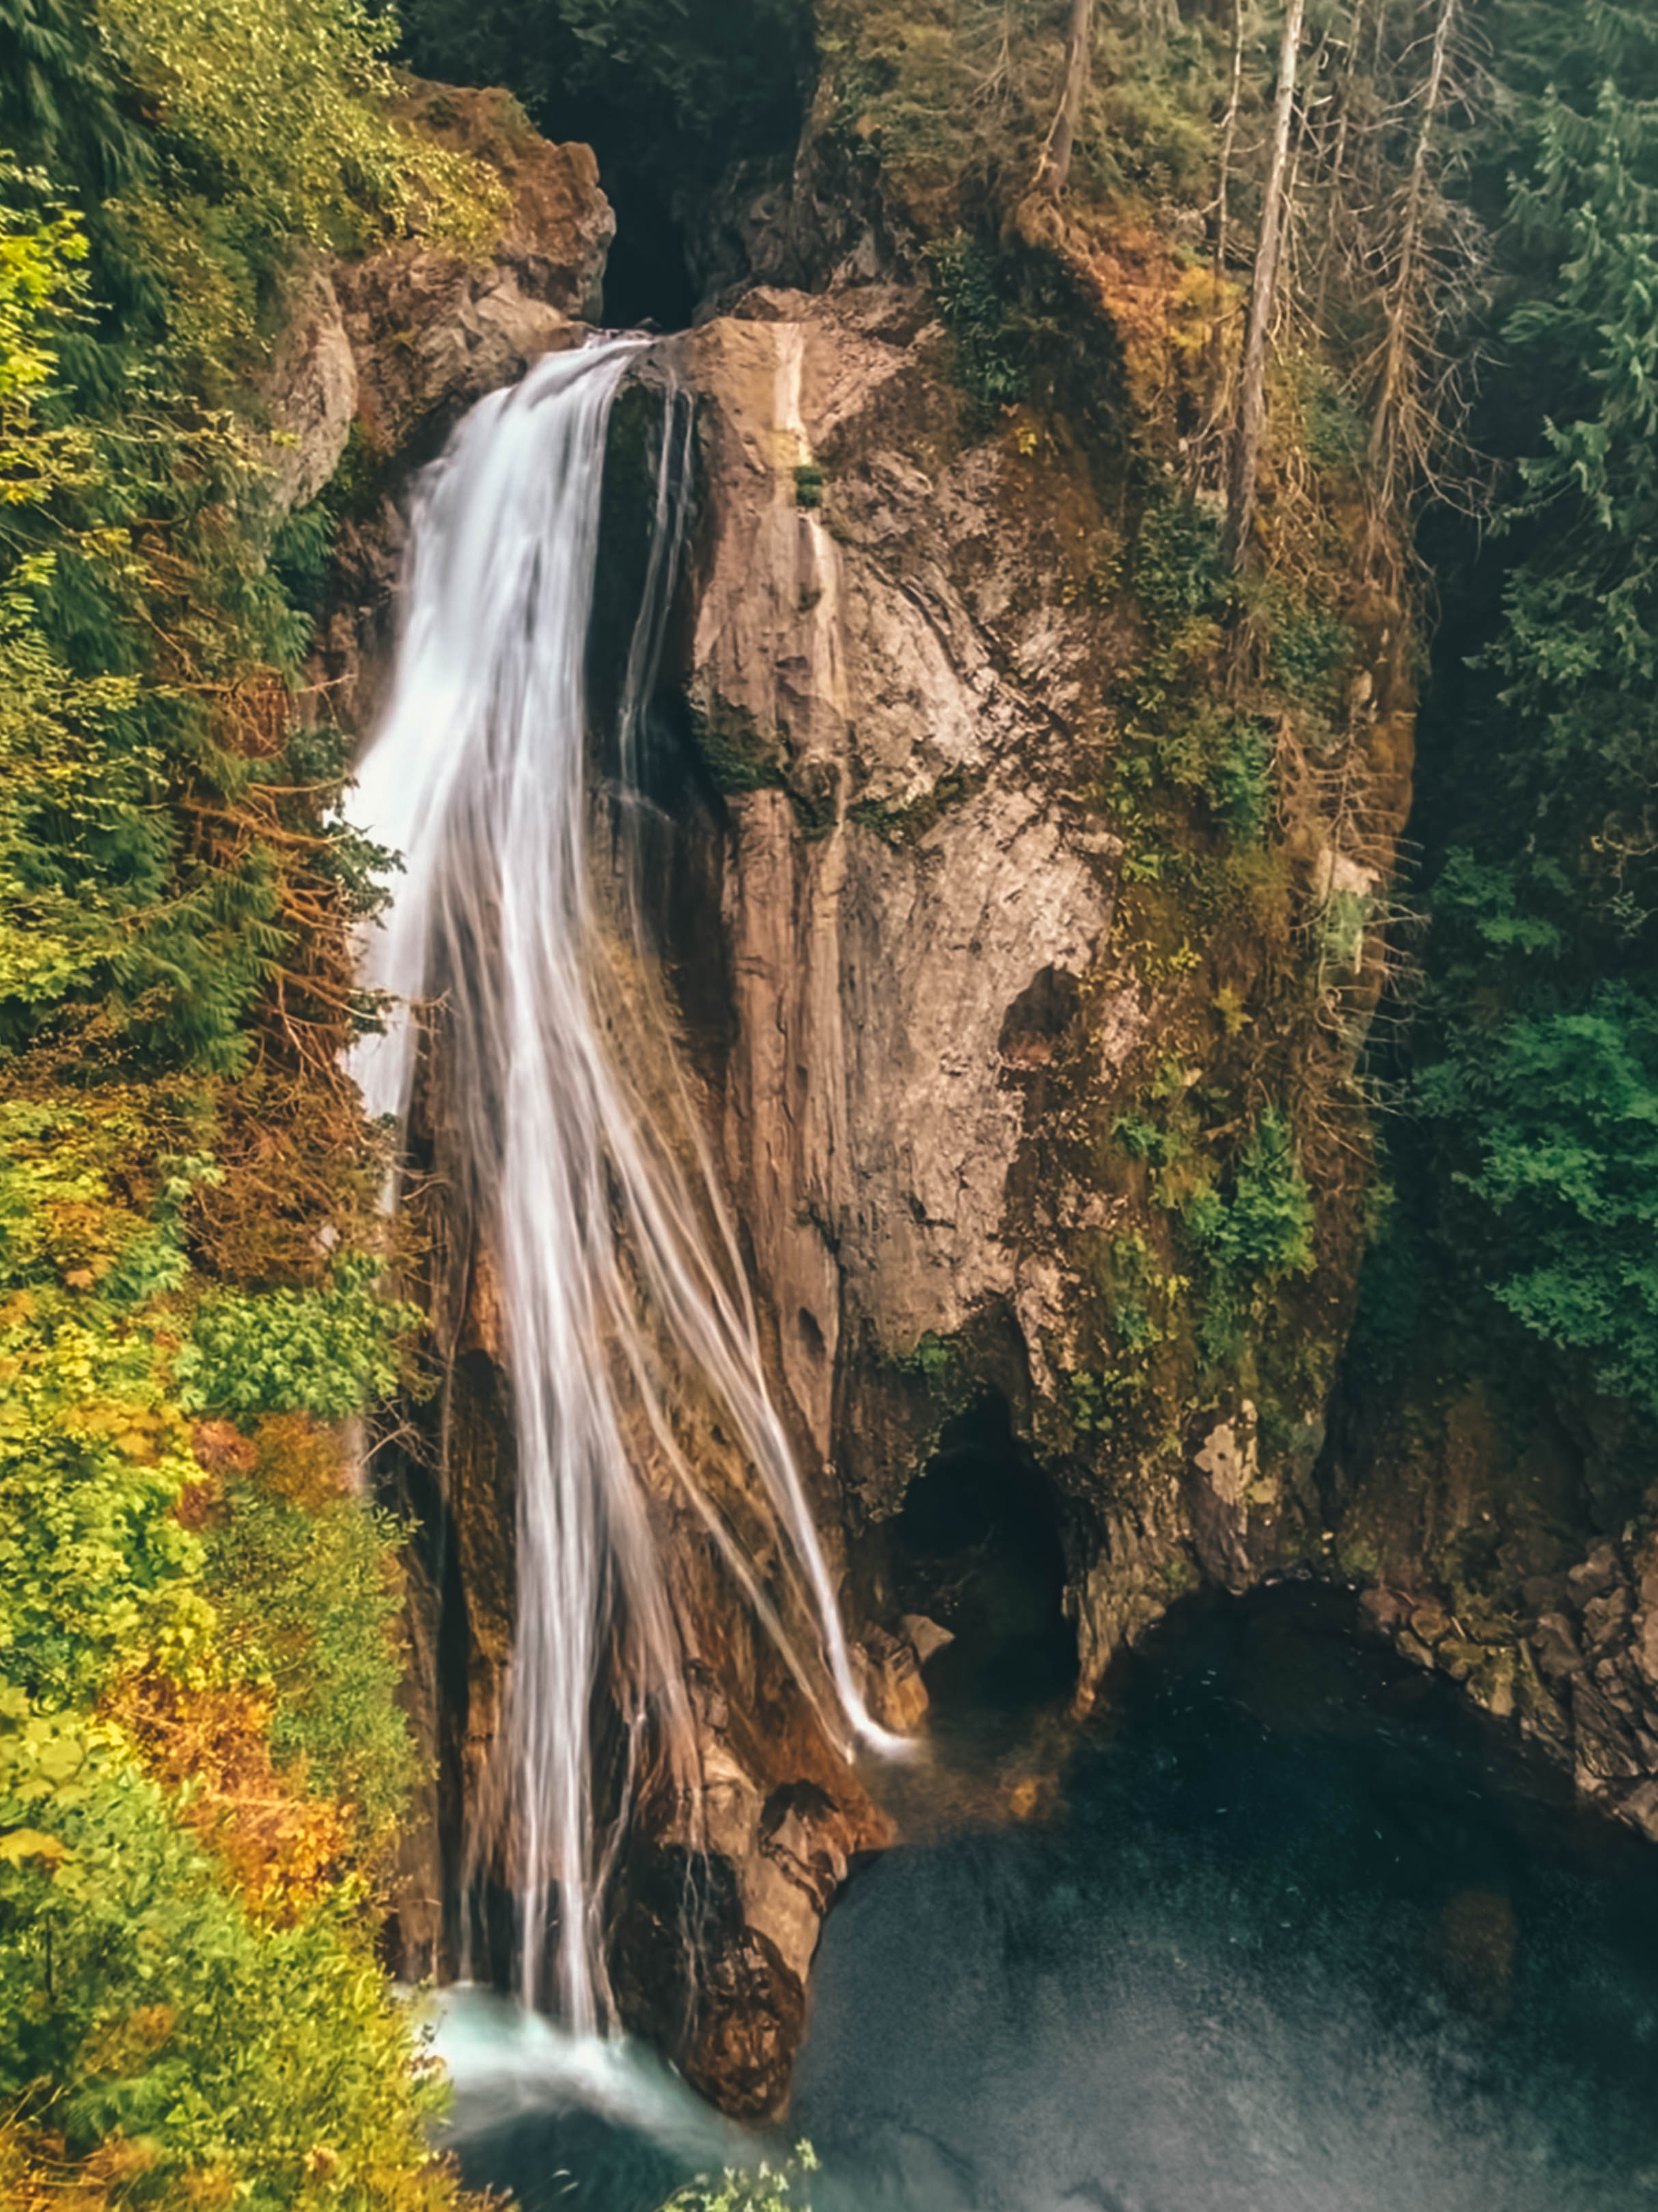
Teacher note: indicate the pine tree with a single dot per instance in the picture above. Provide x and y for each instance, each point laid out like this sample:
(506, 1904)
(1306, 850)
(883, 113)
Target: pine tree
(1539, 1060)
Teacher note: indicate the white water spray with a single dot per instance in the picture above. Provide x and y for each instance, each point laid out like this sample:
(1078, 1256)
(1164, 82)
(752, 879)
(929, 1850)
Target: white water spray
(624, 1293)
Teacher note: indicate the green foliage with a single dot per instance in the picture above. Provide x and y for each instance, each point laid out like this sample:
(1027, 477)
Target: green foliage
(1242, 788)
(968, 90)
(96, 1573)
(1140, 1139)
(905, 825)
(326, 1352)
(265, 2066)
(165, 858)
(276, 113)
(971, 286)
(1179, 570)
(1142, 1301)
(1262, 1225)
(302, 552)
(764, 2188)
(144, 632)
(1564, 1111)
(737, 755)
(1576, 656)
(1224, 758)
(935, 1361)
(1308, 644)
(1089, 1402)
(307, 1604)
(1535, 1066)
(808, 485)
(1331, 425)
(1154, 126)
(269, 2061)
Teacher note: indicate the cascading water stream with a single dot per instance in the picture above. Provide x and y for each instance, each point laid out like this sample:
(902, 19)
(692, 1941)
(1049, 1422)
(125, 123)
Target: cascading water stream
(585, 1174)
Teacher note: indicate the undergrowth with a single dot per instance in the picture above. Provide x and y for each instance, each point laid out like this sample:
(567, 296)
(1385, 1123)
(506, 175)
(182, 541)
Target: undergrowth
(202, 1765)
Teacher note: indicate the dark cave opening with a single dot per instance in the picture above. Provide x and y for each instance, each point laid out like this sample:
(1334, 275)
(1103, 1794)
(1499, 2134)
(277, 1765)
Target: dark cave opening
(976, 1548)
(647, 278)
(669, 99)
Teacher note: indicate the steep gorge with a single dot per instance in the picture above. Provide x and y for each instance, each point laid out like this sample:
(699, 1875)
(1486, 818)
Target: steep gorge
(925, 998)
(959, 1036)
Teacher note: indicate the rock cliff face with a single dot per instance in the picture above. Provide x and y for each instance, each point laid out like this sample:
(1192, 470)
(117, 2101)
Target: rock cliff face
(914, 891)
(980, 1033)
(901, 683)
(1509, 1554)
(900, 675)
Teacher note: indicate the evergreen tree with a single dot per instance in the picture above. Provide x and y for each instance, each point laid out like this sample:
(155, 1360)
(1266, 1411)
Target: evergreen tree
(1538, 1044)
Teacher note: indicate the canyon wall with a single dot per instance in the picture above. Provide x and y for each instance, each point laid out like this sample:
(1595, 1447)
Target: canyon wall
(1027, 915)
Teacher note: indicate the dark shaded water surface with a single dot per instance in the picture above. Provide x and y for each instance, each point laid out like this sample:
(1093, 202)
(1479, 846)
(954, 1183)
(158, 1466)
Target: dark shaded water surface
(1292, 1930)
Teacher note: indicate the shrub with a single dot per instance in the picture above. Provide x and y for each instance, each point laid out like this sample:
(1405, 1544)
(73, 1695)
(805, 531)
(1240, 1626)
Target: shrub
(969, 286)
(1179, 568)
(96, 1573)
(1563, 1108)
(1264, 1225)
(764, 2187)
(1308, 643)
(329, 1352)
(307, 1605)
(232, 2062)
(1240, 784)
(279, 109)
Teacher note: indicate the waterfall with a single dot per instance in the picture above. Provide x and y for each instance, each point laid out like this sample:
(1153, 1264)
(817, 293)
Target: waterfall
(517, 922)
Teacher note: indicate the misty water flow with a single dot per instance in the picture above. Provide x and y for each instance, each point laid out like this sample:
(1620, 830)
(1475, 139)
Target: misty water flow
(628, 1321)
(1297, 1932)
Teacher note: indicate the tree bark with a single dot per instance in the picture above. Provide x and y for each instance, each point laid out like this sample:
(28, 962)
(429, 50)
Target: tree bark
(1228, 134)
(1383, 450)
(1336, 183)
(1251, 423)
(1053, 162)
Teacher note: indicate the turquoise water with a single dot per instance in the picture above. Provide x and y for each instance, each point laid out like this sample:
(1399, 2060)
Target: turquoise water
(1296, 1932)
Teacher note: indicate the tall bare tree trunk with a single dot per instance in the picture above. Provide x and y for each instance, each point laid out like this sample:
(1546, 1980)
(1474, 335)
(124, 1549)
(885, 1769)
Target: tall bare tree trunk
(1384, 423)
(1228, 132)
(1216, 407)
(1335, 182)
(1251, 423)
(1053, 162)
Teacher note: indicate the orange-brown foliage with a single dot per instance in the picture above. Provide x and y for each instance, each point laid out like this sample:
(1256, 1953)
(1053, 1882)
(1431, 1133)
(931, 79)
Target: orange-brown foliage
(281, 1847)
(298, 1459)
